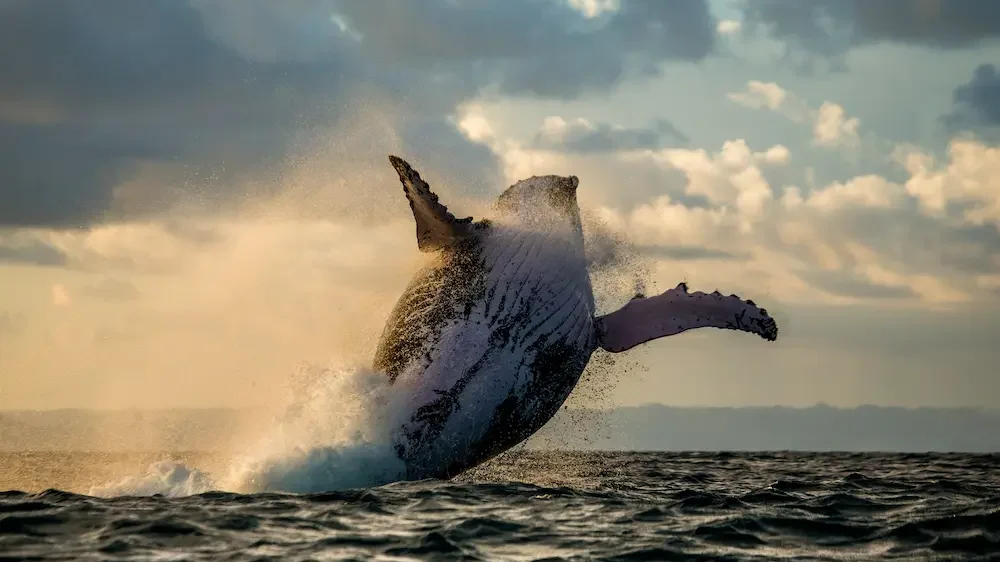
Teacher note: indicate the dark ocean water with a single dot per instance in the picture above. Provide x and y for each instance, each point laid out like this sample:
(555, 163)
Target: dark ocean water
(549, 506)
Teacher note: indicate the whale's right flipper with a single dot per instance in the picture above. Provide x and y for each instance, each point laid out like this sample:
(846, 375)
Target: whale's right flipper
(676, 311)
(436, 227)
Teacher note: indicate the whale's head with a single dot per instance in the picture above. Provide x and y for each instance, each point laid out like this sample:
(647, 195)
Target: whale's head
(543, 202)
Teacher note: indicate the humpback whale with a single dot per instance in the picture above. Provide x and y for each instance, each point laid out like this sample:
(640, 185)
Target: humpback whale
(488, 340)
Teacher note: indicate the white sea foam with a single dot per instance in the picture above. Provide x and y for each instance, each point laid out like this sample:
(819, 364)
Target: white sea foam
(334, 434)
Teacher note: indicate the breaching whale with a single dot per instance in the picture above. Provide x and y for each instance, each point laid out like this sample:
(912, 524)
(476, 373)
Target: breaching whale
(489, 339)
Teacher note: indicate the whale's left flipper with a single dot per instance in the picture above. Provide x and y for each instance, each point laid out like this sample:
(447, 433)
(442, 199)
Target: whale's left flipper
(676, 311)
(436, 226)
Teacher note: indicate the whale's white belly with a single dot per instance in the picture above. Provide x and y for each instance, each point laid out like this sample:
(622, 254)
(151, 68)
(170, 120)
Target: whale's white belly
(501, 364)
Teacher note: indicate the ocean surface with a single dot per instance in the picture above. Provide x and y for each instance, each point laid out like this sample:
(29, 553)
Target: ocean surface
(531, 505)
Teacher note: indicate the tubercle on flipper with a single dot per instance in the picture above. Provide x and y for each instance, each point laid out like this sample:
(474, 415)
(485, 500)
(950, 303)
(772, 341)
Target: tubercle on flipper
(770, 331)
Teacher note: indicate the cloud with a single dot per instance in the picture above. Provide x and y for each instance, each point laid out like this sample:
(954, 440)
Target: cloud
(872, 191)
(743, 215)
(732, 177)
(26, 251)
(977, 102)
(548, 49)
(834, 128)
(61, 295)
(968, 183)
(832, 27)
(110, 289)
(729, 27)
(831, 126)
(224, 94)
(595, 8)
(759, 95)
(850, 286)
(161, 91)
(523, 47)
(222, 164)
(689, 253)
(583, 136)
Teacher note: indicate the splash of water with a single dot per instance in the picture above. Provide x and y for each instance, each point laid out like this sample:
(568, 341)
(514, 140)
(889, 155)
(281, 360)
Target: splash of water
(168, 478)
(335, 430)
(334, 434)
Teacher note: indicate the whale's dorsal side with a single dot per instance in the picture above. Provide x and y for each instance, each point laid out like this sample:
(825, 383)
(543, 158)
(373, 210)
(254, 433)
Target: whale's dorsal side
(437, 228)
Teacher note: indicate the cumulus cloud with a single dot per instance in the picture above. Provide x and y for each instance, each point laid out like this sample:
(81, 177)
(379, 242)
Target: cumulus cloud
(759, 95)
(866, 237)
(731, 177)
(563, 145)
(729, 27)
(831, 126)
(834, 128)
(969, 182)
(738, 213)
(856, 239)
(871, 191)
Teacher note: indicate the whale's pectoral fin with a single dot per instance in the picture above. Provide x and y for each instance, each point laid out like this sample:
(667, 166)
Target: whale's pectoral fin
(436, 227)
(676, 311)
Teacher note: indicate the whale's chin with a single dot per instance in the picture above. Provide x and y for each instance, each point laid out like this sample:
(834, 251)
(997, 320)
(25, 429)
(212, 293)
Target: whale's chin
(487, 343)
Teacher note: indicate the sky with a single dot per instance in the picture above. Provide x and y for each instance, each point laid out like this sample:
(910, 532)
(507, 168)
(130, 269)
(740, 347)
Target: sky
(195, 198)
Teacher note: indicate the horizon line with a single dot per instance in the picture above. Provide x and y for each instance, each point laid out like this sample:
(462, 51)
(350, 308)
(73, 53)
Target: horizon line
(817, 405)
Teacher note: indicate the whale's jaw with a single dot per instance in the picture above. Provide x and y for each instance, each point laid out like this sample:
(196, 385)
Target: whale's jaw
(485, 345)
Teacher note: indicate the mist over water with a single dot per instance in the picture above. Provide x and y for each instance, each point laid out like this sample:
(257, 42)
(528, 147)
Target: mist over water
(333, 434)
(208, 297)
(331, 428)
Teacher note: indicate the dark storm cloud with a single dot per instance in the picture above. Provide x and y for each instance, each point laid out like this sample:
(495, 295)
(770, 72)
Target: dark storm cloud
(601, 137)
(536, 47)
(129, 81)
(977, 103)
(831, 27)
(92, 90)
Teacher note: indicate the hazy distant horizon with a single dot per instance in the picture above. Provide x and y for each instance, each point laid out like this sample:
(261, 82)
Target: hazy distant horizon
(652, 427)
(982, 409)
